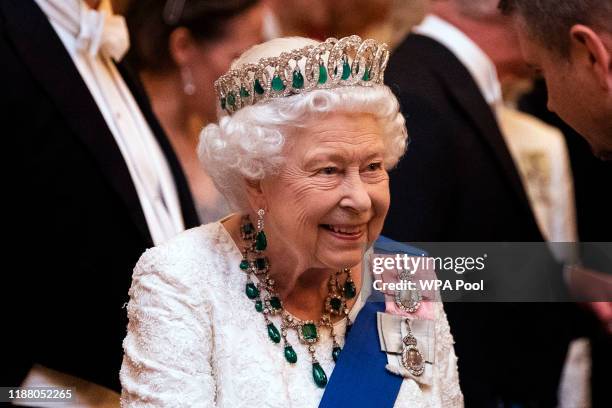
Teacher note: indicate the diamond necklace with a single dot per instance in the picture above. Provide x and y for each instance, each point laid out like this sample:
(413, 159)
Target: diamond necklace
(267, 302)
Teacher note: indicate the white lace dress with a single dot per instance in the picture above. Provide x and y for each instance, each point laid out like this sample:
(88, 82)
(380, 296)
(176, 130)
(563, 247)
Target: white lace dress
(195, 340)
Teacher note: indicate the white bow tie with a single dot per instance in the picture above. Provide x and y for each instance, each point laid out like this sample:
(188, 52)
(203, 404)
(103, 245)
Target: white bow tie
(95, 31)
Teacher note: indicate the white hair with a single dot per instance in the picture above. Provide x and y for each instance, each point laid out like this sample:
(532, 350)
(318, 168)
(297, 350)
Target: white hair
(250, 144)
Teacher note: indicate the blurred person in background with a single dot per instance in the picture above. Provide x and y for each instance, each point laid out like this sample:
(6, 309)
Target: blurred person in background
(322, 18)
(97, 183)
(571, 45)
(463, 184)
(179, 48)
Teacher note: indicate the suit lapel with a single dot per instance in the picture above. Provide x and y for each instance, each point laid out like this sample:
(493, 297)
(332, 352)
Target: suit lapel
(464, 90)
(190, 217)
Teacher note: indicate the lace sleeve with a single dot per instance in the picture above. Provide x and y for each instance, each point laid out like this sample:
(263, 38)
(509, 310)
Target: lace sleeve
(445, 369)
(167, 349)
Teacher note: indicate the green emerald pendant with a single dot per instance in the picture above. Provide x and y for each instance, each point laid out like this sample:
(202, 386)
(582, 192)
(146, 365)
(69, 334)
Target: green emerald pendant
(290, 355)
(309, 331)
(231, 99)
(336, 353)
(298, 80)
(261, 242)
(349, 289)
(275, 303)
(322, 74)
(346, 70)
(273, 333)
(335, 303)
(318, 375)
(258, 88)
(259, 306)
(366, 74)
(277, 84)
(244, 264)
(251, 290)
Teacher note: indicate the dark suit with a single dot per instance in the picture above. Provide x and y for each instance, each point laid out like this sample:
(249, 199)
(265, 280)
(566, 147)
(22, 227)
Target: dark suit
(593, 205)
(76, 225)
(457, 183)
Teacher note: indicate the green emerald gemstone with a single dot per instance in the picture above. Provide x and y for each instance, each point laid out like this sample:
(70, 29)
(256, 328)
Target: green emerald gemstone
(243, 92)
(346, 70)
(335, 303)
(273, 333)
(260, 263)
(322, 74)
(223, 103)
(275, 302)
(349, 289)
(258, 306)
(318, 375)
(251, 290)
(298, 80)
(277, 84)
(336, 353)
(290, 355)
(258, 88)
(244, 264)
(366, 74)
(231, 99)
(309, 331)
(261, 242)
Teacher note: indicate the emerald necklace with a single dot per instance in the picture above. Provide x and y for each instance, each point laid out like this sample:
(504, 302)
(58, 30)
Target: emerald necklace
(267, 302)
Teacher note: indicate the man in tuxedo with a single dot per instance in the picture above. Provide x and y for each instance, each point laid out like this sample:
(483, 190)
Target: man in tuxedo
(458, 183)
(97, 184)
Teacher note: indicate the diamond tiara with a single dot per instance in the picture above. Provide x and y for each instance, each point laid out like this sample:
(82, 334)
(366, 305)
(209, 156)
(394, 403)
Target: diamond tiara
(331, 64)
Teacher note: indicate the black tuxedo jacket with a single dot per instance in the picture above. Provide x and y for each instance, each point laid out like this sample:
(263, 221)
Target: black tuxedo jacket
(76, 225)
(458, 183)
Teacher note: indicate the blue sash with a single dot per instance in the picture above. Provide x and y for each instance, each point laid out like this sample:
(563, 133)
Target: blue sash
(360, 378)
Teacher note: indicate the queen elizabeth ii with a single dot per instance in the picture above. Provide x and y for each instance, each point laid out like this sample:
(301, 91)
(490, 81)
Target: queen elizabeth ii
(253, 310)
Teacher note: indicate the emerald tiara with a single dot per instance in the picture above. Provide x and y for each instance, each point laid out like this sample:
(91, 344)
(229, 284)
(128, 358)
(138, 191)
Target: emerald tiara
(333, 63)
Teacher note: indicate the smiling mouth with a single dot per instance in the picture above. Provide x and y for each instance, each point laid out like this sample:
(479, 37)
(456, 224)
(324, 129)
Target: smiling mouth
(345, 231)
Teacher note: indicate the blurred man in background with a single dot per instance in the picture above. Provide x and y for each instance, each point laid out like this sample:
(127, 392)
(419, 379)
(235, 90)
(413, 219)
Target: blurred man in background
(98, 183)
(459, 182)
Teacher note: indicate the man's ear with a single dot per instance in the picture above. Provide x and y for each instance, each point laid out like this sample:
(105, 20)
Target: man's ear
(587, 43)
(255, 194)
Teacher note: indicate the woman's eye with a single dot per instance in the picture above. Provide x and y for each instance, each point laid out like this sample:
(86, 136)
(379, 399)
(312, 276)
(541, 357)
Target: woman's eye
(374, 166)
(329, 170)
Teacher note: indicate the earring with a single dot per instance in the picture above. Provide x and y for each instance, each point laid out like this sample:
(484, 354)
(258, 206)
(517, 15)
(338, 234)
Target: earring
(188, 84)
(260, 240)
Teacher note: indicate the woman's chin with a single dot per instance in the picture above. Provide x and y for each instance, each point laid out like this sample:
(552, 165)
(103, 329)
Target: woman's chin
(342, 259)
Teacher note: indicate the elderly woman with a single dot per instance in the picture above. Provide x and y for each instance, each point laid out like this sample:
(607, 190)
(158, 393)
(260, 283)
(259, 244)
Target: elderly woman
(253, 310)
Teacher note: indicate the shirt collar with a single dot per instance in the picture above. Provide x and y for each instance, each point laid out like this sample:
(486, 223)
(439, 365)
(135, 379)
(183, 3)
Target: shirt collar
(468, 52)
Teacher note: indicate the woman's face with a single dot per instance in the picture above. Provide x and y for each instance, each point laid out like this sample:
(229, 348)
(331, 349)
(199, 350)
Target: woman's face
(331, 196)
(213, 58)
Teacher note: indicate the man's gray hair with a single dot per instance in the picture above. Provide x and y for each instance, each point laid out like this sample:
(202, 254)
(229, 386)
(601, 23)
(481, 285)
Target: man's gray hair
(549, 21)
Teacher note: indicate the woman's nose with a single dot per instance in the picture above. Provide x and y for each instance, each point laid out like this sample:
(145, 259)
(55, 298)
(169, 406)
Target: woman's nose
(356, 195)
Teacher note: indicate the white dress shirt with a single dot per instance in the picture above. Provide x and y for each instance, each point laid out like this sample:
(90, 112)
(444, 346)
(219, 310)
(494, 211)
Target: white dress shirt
(143, 156)
(538, 150)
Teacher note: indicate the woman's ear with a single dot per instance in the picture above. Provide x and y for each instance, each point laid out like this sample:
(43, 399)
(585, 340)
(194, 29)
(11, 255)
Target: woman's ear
(255, 194)
(181, 46)
(590, 46)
